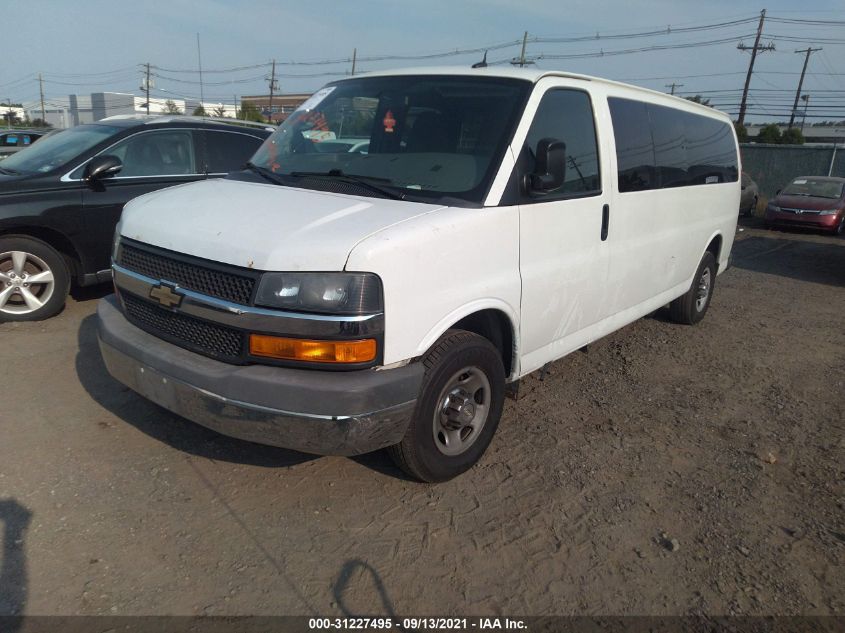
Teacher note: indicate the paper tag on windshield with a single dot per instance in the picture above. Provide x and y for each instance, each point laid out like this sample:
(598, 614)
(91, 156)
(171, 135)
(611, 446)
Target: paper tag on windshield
(314, 100)
(800, 181)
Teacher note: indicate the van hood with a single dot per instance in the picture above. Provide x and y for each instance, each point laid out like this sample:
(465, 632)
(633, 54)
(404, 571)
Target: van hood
(262, 226)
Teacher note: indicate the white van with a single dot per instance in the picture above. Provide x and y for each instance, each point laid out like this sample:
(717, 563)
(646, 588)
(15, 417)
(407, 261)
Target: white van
(336, 300)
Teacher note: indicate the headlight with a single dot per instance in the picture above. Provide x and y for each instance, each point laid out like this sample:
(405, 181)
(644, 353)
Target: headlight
(332, 293)
(829, 212)
(774, 207)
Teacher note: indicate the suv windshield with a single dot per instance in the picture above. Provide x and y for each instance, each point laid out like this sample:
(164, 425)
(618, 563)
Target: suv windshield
(422, 137)
(814, 187)
(57, 149)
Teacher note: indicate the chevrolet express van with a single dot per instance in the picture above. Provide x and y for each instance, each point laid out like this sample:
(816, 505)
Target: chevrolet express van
(407, 246)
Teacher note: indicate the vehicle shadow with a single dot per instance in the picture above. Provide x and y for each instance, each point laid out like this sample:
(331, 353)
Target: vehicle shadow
(353, 579)
(811, 258)
(159, 423)
(14, 585)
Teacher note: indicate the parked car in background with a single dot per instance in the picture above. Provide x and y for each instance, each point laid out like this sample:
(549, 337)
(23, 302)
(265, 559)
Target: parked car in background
(12, 141)
(748, 197)
(815, 202)
(61, 199)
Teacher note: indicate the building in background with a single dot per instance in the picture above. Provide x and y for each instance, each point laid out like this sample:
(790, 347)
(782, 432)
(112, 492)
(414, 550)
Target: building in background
(283, 104)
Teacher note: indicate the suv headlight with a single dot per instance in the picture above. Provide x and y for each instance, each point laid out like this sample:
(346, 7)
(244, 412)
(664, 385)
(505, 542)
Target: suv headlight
(327, 293)
(829, 212)
(774, 207)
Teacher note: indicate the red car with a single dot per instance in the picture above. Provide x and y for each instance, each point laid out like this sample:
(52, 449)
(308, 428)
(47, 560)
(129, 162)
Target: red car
(815, 202)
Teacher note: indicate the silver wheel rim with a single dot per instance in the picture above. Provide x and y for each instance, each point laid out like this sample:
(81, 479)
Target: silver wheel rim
(703, 292)
(462, 411)
(26, 282)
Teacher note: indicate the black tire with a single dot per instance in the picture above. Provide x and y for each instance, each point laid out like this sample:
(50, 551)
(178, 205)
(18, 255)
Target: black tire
(691, 307)
(418, 454)
(40, 257)
(840, 228)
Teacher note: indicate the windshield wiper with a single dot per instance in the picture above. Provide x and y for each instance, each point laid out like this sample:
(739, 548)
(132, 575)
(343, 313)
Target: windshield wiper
(266, 174)
(9, 172)
(363, 181)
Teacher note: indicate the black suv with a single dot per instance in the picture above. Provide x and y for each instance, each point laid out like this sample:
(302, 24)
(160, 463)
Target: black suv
(61, 198)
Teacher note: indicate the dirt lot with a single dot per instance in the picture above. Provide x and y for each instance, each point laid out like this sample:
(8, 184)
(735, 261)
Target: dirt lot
(726, 437)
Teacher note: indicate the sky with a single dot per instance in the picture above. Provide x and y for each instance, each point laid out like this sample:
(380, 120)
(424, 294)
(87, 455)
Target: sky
(98, 45)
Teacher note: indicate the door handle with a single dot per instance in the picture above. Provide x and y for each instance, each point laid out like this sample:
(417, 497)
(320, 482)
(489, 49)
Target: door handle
(605, 221)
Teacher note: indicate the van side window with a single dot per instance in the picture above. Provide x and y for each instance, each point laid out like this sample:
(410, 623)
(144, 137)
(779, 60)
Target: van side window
(634, 145)
(658, 147)
(567, 115)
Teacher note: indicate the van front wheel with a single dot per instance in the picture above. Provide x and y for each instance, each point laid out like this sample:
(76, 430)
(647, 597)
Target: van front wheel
(691, 307)
(458, 409)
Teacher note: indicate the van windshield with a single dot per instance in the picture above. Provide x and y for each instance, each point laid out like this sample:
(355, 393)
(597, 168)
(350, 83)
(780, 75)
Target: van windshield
(58, 149)
(421, 137)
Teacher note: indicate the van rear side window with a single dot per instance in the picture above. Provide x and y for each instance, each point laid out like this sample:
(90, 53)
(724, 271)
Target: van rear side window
(659, 147)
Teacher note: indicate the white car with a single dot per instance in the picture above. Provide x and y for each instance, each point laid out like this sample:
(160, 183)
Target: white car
(342, 302)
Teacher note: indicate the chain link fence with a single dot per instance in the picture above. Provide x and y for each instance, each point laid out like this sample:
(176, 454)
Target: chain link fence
(773, 166)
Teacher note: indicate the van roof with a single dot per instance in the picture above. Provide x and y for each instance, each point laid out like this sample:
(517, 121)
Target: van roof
(533, 75)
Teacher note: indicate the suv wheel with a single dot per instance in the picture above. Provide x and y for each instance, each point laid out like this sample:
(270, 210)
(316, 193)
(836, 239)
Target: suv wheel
(458, 409)
(34, 279)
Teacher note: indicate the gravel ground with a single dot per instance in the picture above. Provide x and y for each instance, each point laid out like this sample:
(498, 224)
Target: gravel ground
(668, 470)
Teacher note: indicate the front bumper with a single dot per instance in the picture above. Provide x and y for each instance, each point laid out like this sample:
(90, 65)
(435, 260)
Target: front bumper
(322, 412)
(807, 219)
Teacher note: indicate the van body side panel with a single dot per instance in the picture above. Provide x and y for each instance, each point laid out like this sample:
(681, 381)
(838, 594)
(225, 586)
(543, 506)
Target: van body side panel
(440, 267)
(659, 236)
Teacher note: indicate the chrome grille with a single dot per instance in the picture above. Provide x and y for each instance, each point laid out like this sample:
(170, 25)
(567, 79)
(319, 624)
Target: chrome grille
(206, 338)
(192, 274)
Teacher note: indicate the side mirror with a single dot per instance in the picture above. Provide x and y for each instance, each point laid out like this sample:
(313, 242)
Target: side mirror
(549, 168)
(102, 167)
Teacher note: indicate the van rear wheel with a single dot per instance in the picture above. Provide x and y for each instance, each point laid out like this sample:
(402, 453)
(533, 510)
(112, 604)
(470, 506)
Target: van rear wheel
(691, 307)
(458, 409)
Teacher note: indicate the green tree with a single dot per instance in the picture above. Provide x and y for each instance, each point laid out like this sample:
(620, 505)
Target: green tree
(249, 112)
(792, 136)
(219, 111)
(10, 116)
(741, 133)
(39, 123)
(199, 111)
(698, 99)
(769, 134)
(170, 107)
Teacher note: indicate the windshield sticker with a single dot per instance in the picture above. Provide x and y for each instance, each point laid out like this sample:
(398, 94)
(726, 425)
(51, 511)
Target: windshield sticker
(389, 122)
(711, 179)
(799, 181)
(314, 100)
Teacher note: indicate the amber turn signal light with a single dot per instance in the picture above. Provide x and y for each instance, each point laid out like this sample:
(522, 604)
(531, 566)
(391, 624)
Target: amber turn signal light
(362, 351)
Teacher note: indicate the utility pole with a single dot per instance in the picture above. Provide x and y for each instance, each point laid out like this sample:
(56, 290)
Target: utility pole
(199, 61)
(147, 87)
(806, 100)
(809, 50)
(768, 47)
(273, 86)
(521, 62)
(9, 114)
(673, 85)
(41, 90)
(354, 57)
(237, 110)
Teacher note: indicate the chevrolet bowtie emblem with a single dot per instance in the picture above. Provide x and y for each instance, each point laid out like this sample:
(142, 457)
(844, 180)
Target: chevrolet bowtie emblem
(165, 296)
